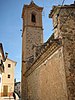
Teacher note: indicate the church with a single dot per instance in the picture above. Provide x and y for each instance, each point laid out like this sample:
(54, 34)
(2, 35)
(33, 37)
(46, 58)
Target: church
(48, 69)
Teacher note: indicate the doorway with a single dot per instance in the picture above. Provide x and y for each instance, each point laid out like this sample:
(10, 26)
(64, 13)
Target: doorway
(5, 90)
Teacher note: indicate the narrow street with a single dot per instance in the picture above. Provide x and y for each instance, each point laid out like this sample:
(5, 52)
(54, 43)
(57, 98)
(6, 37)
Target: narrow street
(8, 98)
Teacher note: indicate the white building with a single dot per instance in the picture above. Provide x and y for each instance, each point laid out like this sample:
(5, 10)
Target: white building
(8, 78)
(7, 68)
(2, 58)
(18, 88)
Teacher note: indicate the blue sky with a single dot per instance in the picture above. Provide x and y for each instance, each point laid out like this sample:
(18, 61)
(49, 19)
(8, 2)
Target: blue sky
(11, 23)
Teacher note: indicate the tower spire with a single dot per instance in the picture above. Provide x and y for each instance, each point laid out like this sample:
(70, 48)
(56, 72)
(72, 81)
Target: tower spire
(32, 1)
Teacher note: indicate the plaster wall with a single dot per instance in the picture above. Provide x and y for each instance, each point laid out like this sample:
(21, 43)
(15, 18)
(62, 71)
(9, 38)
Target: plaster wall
(47, 81)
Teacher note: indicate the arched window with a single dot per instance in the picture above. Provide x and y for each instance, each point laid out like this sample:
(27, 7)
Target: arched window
(33, 18)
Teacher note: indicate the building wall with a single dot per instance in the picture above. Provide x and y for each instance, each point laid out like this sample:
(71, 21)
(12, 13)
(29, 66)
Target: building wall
(1, 71)
(68, 33)
(0, 82)
(17, 88)
(32, 31)
(52, 77)
(9, 82)
(27, 16)
(32, 35)
(1, 57)
(48, 81)
(66, 29)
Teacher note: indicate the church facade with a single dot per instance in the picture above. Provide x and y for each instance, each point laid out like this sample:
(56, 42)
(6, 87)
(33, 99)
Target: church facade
(48, 69)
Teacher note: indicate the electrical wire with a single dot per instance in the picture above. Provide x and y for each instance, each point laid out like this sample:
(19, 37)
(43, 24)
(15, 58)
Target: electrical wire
(59, 14)
(61, 6)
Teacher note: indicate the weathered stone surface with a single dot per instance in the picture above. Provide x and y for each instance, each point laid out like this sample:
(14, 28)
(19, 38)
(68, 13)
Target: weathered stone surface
(32, 35)
(52, 75)
(69, 51)
(47, 81)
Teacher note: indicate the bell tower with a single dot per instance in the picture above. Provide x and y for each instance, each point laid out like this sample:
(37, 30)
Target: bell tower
(32, 34)
(32, 29)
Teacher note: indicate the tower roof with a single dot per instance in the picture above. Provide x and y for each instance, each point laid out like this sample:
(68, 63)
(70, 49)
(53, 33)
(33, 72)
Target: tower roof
(32, 1)
(31, 5)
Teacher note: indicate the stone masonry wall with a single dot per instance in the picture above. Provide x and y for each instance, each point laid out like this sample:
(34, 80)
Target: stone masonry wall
(33, 37)
(47, 81)
(32, 33)
(67, 29)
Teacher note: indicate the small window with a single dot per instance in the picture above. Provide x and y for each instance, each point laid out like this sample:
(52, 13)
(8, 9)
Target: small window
(9, 65)
(33, 18)
(0, 61)
(8, 76)
(19, 92)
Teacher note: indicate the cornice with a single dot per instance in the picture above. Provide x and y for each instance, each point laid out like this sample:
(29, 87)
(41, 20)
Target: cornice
(33, 26)
(54, 9)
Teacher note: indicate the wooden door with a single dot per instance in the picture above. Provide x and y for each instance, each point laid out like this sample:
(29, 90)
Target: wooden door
(5, 90)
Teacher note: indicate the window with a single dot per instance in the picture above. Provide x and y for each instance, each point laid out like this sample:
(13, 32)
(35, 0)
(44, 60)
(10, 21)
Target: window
(9, 65)
(33, 18)
(19, 92)
(0, 80)
(8, 76)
